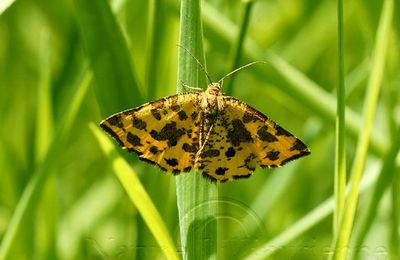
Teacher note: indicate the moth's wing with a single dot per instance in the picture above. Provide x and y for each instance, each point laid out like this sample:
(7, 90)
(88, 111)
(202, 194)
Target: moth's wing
(244, 138)
(162, 132)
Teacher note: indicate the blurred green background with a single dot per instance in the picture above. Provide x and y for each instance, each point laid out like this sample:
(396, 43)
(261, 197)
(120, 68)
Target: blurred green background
(54, 172)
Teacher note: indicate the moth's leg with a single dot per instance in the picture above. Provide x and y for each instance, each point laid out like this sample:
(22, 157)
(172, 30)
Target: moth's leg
(201, 141)
(201, 132)
(189, 87)
(205, 139)
(205, 133)
(200, 137)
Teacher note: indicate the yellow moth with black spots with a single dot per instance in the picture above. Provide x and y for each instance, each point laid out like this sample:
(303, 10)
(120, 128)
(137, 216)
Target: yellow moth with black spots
(220, 136)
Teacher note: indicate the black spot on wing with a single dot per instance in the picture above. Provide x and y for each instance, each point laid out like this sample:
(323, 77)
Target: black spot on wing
(194, 115)
(281, 131)
(298, 146)
(210, 153)
(221, 171)
(115, 120)
(182, 115)
(175, 108)
(154, 150)
(230, 152)
(171, 162)
(272, 155)
(133, 139)
(266, 136)
(138, 123)
(248, 117)
(156, 114)
(189, 148)
(238, 133)
(168, 133)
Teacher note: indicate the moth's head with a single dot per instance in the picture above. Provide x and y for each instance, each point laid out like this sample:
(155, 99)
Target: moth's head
(214, 88)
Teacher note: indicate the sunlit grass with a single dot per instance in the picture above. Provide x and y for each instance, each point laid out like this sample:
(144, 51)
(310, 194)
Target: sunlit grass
(197, 213)
(347, 217)
(137, 194)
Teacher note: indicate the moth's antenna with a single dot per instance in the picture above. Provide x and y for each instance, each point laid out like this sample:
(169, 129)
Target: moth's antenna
(236, 70)
(198, 63)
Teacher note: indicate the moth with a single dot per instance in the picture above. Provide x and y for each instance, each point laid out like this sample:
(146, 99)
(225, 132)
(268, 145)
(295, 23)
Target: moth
(219, 136)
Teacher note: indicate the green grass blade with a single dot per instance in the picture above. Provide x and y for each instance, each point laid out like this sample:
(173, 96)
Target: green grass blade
(340, 151)
(33, 190)
(44, 114)
(341, 241)
(237, 48)
(385, 178)
(390, 172)
(196, 215)
(137, 194)
(43, 134)
(391, 102)
(116, 85)
(155, 21)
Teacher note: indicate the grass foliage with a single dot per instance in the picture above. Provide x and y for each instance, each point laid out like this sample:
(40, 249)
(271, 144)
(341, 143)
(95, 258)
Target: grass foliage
(195, 196)
(68, 192)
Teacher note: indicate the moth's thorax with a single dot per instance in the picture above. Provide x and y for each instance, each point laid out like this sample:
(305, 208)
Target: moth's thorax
(213, 98)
